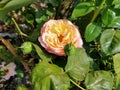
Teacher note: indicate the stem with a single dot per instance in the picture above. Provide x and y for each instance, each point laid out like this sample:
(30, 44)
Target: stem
(18, 28)
(9, 46)
(77, 84)
(98, 10)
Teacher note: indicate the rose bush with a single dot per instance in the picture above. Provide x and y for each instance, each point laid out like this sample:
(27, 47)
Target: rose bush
(55, 34)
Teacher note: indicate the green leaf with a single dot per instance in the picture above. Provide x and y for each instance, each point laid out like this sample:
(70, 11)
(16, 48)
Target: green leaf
(47, 76)
(3, 3)
(116, 60)
(29, 18)
(78, 65)
(99, 80)
(115, 23)
(41, 17)
(41, 53)
(110, 41)
(116, 2)
(49, 11)
(92, 31)
(108, 17)
(82, 9)
(12, 5)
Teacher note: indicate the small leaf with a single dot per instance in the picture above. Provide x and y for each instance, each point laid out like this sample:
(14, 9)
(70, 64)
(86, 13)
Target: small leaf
(92, 31)
(47, 76)
(40, 17)
(108, 17)
(115, 23)
(29, 18)
(99, 80)
(110, 41)
(78, 65)
(41, 53)
(82, 9)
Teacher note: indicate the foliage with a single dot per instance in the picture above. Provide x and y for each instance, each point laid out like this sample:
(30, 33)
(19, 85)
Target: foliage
(95, 66)
(47, 76)
(101, 80)
(8, 5)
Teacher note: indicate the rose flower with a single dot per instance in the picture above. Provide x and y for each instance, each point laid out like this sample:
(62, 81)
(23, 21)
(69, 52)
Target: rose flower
(55, 34)
(9, 70)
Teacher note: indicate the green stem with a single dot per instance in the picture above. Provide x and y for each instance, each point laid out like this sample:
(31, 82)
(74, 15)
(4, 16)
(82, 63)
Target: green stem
(18, 28)
(97, 11)
(77, 84)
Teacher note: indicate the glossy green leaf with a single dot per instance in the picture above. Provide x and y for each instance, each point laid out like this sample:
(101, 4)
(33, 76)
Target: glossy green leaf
(41, 53)
(116, 60)
(82, 9)
(115, 23)
(108, 17)
(92, 31)
(110, 41)
(47, 76)
(78, 65)
(116, 2)
(99, 80)
(12, 5)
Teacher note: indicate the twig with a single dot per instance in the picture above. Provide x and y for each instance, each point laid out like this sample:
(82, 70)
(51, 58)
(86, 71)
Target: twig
(18, 28)
(9, 46)
(97, 11)
(77, 84)
(26, 66)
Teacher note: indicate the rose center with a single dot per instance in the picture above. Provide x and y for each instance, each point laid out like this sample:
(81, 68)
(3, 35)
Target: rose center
(60, 38)
(6, 71)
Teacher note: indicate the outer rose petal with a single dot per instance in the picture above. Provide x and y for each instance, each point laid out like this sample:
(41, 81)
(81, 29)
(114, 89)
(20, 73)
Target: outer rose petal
(55, 34)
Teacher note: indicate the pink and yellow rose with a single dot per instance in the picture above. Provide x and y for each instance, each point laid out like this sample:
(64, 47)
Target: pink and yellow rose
(55, 34)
